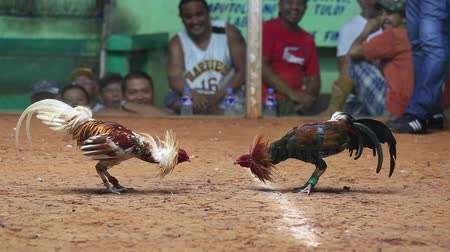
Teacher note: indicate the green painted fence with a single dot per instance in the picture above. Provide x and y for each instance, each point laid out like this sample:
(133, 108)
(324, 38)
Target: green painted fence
(51, 37)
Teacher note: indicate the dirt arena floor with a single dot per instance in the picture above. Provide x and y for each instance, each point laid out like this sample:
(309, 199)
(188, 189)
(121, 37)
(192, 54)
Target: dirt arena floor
(51, 198)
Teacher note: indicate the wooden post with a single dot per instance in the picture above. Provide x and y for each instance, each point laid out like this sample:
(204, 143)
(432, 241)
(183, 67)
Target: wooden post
(254, 59)
(106, 30)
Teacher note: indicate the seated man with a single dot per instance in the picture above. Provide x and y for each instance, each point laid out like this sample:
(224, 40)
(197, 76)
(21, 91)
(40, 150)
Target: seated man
(343, 85)
(208, 57)
(86, 78)
(111, 91)
(75, 95)
(388, 92)
(290, 63)
(44, 89)
(138, 93)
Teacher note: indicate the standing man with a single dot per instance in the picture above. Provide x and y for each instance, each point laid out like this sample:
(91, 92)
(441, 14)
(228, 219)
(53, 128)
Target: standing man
(290, 63)
(207, 56)
(428, 25)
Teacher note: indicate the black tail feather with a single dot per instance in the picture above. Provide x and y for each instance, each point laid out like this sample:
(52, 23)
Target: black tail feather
(384, 135)
(371, 139)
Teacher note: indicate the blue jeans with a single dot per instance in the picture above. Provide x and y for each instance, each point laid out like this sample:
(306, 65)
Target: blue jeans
(428, 24)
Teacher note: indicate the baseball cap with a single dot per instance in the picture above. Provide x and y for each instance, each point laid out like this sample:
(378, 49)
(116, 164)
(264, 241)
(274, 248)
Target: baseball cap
(44, 86)
(393, 5)
(82, 71)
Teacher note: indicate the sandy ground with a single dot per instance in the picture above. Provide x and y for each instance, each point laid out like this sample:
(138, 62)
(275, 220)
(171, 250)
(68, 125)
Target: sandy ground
(51, 197)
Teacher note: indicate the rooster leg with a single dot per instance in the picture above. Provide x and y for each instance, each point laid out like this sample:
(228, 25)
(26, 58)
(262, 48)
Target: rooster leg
(321, 166)
(101, 168)
(115, 183)
(106, 183)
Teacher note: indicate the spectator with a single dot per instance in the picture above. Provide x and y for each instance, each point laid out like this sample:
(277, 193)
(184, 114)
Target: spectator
(207, 56)
(111, 86)
(428, 25)
(392, 49)
(343, 86)
(446, 94)
(290, 63)
(44, 89)
(86, 78)
(75, 95)
(138, 92)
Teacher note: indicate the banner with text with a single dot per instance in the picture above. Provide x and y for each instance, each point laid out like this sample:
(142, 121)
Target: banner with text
(323, 18)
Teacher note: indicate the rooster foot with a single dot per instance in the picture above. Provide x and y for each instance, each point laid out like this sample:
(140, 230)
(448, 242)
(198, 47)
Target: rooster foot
(111, 190)
(116, 189)
(304, 189)
(119, 188)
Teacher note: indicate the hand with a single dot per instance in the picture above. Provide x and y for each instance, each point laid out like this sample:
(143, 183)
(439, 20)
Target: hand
(373, 24)
(304, 101)
(303, 98)
(199, 102)
(215, 110)
(214, 100)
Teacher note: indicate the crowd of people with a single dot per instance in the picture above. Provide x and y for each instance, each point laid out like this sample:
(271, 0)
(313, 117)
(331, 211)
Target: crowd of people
(112, 94)
(392, 61)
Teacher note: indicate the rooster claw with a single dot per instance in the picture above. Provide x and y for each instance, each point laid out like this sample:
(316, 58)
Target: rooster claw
(119, 188)
(125, 189)
(304, 189)
(110, 190)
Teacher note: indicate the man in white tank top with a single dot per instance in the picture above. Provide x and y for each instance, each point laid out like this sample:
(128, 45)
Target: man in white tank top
(206, 56)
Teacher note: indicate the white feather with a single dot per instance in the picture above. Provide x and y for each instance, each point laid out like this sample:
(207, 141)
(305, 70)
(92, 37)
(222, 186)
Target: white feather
(340, 116)
(58, 115)
(164, 152)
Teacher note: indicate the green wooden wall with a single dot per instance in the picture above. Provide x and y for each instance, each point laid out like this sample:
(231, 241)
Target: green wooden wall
(60, 35)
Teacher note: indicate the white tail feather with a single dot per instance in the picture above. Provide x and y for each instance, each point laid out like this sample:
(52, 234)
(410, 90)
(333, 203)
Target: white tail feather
(56, 114)
(341, 116)
(165, 152)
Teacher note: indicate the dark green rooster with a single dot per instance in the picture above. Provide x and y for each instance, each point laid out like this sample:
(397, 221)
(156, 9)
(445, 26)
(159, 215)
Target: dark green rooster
(312, 142)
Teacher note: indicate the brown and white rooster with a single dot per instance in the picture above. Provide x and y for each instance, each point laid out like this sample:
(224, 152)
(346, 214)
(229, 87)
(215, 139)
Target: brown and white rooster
(108, 142)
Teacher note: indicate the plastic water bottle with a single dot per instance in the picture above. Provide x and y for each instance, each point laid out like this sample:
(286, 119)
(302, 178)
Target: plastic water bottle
(186, 102)
(270, 104)
(230, 103)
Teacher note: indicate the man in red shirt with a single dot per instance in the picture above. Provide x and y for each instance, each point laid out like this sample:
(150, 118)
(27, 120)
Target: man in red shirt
(290, 63)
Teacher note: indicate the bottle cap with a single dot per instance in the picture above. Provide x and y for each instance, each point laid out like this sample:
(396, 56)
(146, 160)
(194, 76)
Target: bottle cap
(271, 90)
(229, 90)
(187, 90)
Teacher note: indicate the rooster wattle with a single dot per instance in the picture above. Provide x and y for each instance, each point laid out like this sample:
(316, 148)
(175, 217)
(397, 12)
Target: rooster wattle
(108, 142)
(312, 142)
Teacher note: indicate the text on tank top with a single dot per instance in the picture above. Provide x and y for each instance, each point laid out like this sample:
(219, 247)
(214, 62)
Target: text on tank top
(205, 69)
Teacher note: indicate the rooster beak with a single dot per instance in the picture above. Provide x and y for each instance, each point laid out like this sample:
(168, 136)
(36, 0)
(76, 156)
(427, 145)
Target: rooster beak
(235, 162)
(190, 158)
